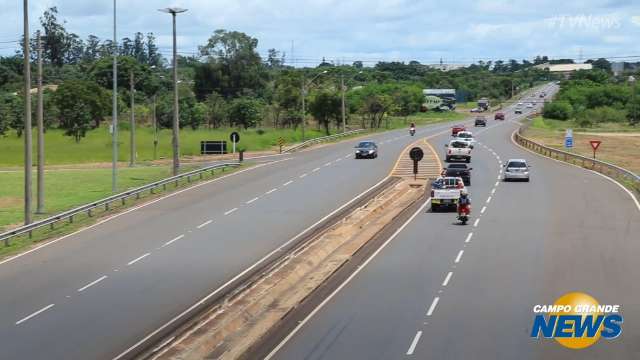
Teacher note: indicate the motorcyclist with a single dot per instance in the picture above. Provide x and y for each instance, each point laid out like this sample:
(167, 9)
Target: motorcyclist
(464, 201)
(412, 128)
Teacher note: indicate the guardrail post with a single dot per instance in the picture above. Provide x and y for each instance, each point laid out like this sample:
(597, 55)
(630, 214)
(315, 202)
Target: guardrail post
(89, 212)
(138, 195)
(176, 183)
(30, 234)
(164, 186)
(51, 226)
(189, 179)
(106, 207)
(152, 190)
(6, 242)
(71, 219)
(123, 201)
(200, 176)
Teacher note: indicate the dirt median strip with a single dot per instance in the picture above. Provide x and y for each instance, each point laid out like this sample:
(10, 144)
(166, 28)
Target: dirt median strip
(228, 331)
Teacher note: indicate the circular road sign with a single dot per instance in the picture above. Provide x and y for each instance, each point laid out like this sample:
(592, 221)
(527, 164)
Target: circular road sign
(416, 154)
(235, 137)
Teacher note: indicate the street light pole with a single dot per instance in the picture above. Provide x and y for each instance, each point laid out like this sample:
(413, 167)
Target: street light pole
(114, 114)
(155, 130)
(176, 121)
(40, 121)
(132, 131)
(27, 117)
(344, 117)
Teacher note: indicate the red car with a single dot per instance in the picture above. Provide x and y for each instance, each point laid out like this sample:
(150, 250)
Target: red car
(499, 116)
(456, 129)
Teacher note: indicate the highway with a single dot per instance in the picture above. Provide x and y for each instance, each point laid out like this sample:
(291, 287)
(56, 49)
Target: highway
(439, 290)
(97, 293)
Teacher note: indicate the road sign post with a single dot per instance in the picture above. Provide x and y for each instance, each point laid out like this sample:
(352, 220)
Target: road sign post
(595, 144)
(234, 137)
(568, 139)
(281, 143)
(416, 154)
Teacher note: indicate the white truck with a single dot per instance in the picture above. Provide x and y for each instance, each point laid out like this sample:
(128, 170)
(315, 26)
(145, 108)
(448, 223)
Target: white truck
(458, 150)
(445, 192)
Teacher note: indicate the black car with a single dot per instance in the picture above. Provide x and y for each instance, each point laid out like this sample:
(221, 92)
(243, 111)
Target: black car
(366, 149)
(459, 170)
(480, 121)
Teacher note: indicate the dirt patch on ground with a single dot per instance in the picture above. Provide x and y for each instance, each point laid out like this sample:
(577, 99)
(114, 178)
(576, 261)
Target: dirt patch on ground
(620, 150)
(10, 201)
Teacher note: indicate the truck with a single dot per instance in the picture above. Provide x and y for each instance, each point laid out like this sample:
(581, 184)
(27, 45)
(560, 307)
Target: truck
(458, 150)
(445, 192)
(483, 104)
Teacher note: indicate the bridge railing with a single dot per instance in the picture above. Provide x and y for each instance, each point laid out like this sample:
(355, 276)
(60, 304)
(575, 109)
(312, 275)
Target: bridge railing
(627, 177)
(107, 202)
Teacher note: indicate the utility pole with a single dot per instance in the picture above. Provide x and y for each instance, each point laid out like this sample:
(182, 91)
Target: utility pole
(132, 131)
(304, 110)
(344, 117)
(114, 114)
(176, 120)
(27, 117)
(40, 120)
(155, 130)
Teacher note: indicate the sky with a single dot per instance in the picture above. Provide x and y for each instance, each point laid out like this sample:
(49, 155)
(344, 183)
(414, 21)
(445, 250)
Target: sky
(458, 31)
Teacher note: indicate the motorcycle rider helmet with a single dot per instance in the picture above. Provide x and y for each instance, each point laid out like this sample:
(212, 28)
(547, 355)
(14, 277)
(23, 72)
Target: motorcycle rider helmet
(463, 192)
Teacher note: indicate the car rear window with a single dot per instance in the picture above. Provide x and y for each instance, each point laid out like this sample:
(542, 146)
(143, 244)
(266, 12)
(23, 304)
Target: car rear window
(517, 164)
(366, 144)
(459, 144)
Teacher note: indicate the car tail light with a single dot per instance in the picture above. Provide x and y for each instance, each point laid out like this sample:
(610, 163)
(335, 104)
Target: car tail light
(449, 152)
(433, 193)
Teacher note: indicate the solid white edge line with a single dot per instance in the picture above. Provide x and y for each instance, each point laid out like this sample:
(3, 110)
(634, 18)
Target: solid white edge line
(475, 224)
(414, 343)
(230, 211)
(138, 259)
(270, 191)
(92, 283)
(204, 224)
(433, 306)
(337, 290)
(252, 200)
(114, 216)
(35, 314)
(248, 269)
(457, 260)
(446, 279)
(633, 197)
(287, 183)
(468, 237)
(173, 240)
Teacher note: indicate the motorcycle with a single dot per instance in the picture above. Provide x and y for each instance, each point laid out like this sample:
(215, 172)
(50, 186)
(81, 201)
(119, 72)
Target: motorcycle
(463, 213)
(412, 131)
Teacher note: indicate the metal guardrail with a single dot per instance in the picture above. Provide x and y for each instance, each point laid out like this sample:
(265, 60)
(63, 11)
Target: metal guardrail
(629, 178)
(321, 139)
(122, 197)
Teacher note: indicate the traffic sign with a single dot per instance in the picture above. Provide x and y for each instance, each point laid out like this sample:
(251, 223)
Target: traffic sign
(416, 154)
(234, 136)
(595, 144)
(568, 138)
(280, 143)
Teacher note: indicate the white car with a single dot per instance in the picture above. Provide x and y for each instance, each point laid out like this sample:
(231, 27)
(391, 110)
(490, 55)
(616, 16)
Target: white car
(516, 169)
(529, 105)
(458, 150)
(467, 137)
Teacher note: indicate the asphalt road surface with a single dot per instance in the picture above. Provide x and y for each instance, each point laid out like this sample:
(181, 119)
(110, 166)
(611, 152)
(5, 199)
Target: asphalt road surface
(445, 291)
(96, 293)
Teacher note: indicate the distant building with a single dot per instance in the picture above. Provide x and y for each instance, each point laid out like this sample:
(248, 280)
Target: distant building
(564, 69)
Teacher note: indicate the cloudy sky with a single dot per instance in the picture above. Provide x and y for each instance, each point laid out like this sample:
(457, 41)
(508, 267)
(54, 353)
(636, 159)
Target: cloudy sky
(459, 31)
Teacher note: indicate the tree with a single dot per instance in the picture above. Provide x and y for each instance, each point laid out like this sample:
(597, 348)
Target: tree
(215, 110)
(92, 49)
(601, 64)
(274, 59)
(232, 66)
(56, 41)
(559, 110)
(154, 58)
(80, 102)
(244, 112)
(408, 100)
(324, 107)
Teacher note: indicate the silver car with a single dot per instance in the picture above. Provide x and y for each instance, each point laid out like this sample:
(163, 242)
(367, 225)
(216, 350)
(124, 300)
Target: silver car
(516, 169)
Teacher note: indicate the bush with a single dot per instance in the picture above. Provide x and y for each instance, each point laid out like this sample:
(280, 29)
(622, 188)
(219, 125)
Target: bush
(558, 110)
(605, 114)
(260, 131)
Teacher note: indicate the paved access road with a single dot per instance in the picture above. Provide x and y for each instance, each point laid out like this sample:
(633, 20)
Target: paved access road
(444, 291)
(96, 293)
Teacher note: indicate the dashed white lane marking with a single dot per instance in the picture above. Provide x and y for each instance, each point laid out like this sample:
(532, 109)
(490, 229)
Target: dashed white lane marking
(497, 182)
(457, 260)
(252, 200)
(484, 208)
(92, 283)
(173, 240)
(338, 159)
(316, 169)
(446, 279)
(270, 191)
(498, 177)
(204, 224)
(348, 156)
(328, 164)
(500, 172)
(469, 237)
(489, 199)
(230, 211)
(493, 191)
(433, 306)
(475, 224)
(138, 259)
(287, 183)
(35, 314)
(303, 175)
(414, 343)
